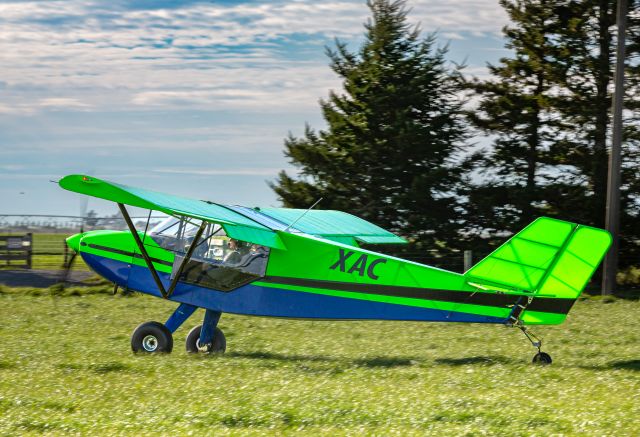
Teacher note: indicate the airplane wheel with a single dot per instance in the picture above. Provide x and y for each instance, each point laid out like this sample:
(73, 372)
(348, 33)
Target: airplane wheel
(218, 346)
(542, 358)
(152, 337)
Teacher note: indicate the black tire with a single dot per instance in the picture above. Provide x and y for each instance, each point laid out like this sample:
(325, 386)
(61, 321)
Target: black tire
(542, 358)
(218, 346)
(152, 337)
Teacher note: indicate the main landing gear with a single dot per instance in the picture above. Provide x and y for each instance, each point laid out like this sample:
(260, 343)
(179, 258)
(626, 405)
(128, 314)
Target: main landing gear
(155, 337)
(152, 337)
(217, 345)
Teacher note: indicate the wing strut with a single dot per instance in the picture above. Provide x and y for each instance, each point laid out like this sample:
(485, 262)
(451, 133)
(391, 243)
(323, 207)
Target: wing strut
(186, 259)
(143, 251)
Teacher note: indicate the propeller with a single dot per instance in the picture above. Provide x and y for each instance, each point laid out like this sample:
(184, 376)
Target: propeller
(68, 266)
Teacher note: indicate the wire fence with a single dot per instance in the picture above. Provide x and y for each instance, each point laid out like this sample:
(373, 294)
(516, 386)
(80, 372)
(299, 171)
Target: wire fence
(68, 224)
(50, 252)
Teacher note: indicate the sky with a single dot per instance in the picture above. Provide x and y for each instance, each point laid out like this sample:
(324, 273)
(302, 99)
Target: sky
(191, 98)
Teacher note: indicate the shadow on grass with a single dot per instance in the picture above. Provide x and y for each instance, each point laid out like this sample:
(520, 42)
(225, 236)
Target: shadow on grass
(385, 362)
(633, 365)
(486, 360)
(262, 355)
(109, 367)
(6, 365)
(626, 365)
(373, 362)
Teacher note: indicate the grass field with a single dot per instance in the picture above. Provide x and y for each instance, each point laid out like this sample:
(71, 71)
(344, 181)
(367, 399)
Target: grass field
(66, 367)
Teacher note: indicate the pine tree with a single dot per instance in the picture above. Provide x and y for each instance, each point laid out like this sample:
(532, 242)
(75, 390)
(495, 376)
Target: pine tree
(387, 154)
(586, 39)
(548, 106)
(515, 109)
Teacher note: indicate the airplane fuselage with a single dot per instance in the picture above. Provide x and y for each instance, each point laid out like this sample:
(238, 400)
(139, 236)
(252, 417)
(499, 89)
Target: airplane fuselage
(316, 279)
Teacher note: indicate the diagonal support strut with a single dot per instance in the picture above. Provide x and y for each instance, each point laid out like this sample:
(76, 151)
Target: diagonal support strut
(143, 251)
(186, 259)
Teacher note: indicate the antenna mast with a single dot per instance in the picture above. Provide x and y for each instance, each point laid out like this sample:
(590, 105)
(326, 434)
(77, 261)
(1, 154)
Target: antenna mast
(303, 214)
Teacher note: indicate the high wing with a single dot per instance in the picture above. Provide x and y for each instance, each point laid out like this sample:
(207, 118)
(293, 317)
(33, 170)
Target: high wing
(255, 225)
(334, 225)
(236, 225)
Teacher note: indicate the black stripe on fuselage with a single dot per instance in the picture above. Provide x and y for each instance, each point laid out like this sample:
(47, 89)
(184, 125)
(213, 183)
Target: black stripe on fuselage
(125, 253)
(547, 305)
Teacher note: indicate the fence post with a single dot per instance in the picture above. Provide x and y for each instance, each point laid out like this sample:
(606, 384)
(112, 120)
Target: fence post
(29, 240)
(66, 253)
(468, 259)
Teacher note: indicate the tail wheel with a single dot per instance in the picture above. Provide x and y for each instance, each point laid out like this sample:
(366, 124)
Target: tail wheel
(217, 346)
(542, 358)
(152, 337)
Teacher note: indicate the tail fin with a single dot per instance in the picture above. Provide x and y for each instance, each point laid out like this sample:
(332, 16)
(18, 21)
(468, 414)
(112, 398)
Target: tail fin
(548, 258)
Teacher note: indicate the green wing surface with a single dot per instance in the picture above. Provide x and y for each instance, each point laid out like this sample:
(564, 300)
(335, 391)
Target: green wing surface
(236, 225)
(333, 225)
(241, 223)
(548, 258)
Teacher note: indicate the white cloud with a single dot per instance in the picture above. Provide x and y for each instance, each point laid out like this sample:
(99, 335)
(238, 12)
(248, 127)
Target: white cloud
(453, 36)
(223, 172)
(63, 103)
(202, 55)
(12, 167)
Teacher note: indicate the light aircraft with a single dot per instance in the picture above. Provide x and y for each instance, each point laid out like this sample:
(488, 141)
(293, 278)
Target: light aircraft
(309, 264)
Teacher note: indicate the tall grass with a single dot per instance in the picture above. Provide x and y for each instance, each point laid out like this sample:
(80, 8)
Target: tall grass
(66, 367)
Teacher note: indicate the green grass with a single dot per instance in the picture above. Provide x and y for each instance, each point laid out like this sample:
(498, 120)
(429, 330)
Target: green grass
(66, 367)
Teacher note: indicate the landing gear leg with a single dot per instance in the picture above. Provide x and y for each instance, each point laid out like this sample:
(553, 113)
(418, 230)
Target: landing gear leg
(207, 338)
(541, 357)
(179, 316)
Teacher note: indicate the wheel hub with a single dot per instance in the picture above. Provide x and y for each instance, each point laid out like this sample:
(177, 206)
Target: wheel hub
(150, 343)
(203, 348)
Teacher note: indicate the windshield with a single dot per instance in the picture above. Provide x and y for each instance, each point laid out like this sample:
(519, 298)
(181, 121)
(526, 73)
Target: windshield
(217, 261)
(176, 235)
(173, 227)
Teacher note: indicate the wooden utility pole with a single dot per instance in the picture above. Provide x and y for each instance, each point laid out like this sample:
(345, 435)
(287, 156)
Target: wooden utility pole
(612, 219)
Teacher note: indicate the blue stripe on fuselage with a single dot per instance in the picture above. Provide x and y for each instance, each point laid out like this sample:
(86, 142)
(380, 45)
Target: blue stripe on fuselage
(275, 302)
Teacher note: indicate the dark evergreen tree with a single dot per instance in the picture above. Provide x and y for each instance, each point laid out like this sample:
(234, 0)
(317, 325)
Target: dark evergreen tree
(586, 40)
(548, 106)
(515, 108)
(387, 154)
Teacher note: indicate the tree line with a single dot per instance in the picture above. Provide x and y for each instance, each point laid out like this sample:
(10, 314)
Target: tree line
(400, 148)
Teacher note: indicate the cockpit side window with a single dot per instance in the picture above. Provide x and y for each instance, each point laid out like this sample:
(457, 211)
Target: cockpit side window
(217, 262)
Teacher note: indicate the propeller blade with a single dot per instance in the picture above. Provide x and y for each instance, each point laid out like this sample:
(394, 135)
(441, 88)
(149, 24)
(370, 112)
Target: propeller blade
(67, 268)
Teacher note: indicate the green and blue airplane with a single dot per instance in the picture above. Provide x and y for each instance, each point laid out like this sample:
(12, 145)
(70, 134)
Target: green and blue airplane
(309, 264)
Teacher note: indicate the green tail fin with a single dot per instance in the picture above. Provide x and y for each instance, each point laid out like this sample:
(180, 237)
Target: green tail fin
(547, 258)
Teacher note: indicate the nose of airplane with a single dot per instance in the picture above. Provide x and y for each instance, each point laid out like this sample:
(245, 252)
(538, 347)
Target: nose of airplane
(74, 242)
